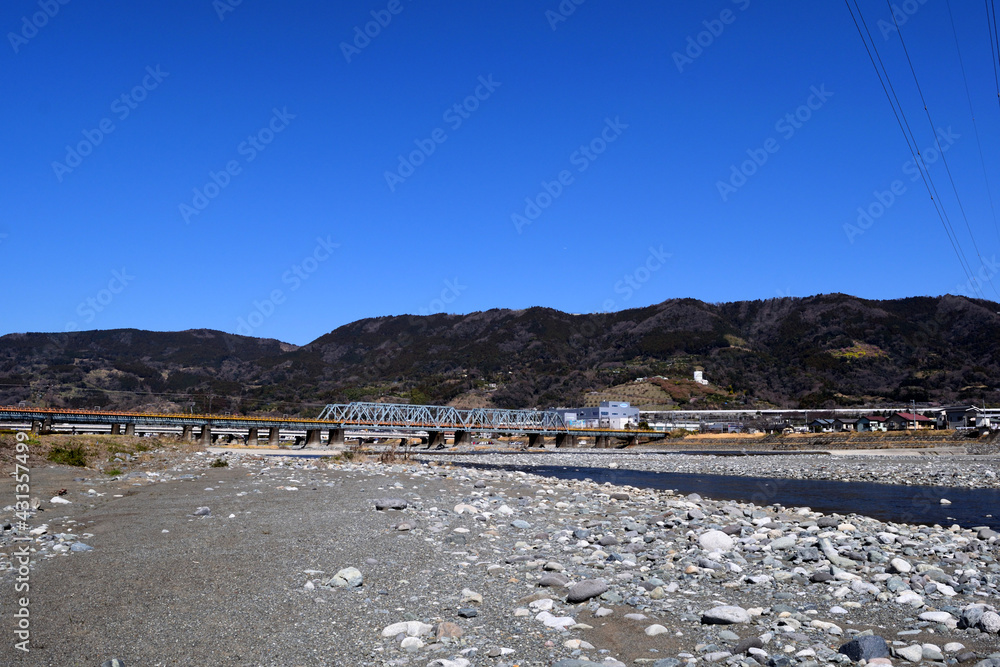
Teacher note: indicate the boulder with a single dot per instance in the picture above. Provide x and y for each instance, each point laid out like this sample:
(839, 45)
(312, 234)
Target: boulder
(865, 647)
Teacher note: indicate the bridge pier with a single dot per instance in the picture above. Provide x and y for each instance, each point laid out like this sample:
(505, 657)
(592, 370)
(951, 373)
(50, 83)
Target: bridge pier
(462, 438)
(602, 442)
(205, 439)
(434, 438)
(116, 429)
(565, 440)
(632, 440)
(187, 432)
(335, 437)
(130, 429)
(36, 427)
(314, 438)
(252, 438)
(273, 436)
(536, 440)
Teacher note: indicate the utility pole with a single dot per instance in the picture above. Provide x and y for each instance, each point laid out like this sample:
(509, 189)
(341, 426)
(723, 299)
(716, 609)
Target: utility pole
(913, 412)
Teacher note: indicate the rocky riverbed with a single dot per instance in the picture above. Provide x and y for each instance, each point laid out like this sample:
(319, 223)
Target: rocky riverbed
(960, 471)
(314, 562)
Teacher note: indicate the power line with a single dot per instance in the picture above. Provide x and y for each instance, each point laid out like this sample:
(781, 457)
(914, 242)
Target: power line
(909, 137)
(975, 125)
(937, 142)
(991, 24)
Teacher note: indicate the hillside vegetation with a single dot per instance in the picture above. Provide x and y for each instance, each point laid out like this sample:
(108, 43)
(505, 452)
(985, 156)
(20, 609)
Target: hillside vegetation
(821, 351)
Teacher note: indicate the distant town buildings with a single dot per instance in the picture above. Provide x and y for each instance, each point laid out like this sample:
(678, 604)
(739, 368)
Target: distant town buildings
(969, 417)
(609, 414)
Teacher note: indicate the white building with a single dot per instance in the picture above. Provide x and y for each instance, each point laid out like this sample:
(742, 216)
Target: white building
(699, 377)
(609, 414)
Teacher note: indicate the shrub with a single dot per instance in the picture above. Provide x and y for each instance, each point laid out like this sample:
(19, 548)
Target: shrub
(113, 472)
(70, 456)
(220, 463)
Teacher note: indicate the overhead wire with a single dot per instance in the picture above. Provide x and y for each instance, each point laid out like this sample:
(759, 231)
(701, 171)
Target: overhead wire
(972, 112)
(937, 142)
(909, 137)
(991, 24)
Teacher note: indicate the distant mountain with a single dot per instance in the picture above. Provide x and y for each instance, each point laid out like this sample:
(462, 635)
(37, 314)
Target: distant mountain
(821, 351)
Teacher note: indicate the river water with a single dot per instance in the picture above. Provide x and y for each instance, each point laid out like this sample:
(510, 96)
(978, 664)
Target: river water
(886, 502)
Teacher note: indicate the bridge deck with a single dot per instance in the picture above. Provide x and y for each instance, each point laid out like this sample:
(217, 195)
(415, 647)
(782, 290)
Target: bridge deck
(65, 416)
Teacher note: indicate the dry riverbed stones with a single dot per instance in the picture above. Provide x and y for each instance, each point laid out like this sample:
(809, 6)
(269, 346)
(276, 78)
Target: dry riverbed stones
(509, 568)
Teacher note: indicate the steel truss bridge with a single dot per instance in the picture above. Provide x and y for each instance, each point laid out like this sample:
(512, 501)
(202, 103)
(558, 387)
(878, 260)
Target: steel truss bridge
(444, 417)
(429, 422)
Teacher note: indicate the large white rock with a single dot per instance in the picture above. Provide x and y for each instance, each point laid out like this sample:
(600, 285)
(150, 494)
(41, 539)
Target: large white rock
(912, 653)
(550, 621)
(656, 629)
(990, 622)
(715, 540)
(411, 644)
(939, 617)
(725, 614)
(409, 628)
(910, 598)
(900, 565)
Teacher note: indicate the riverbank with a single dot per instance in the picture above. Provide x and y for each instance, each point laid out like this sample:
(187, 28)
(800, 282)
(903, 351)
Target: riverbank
(963, 471)
(479, 567)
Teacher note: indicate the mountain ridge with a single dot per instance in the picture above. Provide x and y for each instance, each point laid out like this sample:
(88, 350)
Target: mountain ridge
(820, 351)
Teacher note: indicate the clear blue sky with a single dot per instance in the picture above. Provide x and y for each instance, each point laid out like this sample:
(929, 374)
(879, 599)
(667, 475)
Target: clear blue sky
(300, 132)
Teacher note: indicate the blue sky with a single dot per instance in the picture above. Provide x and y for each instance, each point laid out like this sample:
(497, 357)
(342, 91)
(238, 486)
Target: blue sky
(269, 169)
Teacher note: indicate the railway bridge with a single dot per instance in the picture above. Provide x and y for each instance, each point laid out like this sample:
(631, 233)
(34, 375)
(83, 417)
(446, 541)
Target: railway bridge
(338, 422)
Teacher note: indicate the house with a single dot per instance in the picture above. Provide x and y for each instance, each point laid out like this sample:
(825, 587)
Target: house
(901, 421)
(841, 424)
(968, 416)
(821, 425)
(870, 423)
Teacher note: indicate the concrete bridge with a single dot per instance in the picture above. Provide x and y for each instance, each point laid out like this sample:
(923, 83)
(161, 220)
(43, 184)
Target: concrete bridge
(337, 423)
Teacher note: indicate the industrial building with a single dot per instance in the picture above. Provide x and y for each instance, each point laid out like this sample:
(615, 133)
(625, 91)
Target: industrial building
(609, 414)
